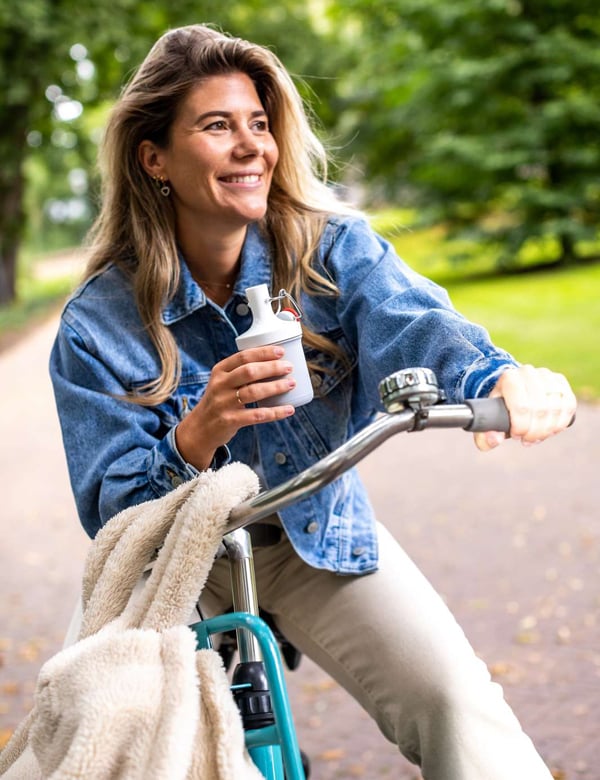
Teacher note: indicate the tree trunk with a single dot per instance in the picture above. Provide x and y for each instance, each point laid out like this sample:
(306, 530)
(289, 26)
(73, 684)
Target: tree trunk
(567, 245)
(11, 226)
(8, 275)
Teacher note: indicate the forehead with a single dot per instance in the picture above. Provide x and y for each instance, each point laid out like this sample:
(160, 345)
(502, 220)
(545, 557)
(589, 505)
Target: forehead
(228, 92)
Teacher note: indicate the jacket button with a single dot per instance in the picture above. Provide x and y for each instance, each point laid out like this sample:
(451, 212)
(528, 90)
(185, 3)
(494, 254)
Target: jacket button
(176, 481)
(312, 527)
(242, 309)
(358, 551)
(280, 458)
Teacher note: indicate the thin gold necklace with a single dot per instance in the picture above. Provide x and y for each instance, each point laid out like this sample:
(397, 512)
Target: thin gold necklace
(205, 282)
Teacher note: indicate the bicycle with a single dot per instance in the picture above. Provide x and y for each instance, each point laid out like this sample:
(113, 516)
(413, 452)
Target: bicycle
(413, 402)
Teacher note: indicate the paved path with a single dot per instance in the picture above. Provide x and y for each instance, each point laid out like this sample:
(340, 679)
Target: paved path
(512, 540)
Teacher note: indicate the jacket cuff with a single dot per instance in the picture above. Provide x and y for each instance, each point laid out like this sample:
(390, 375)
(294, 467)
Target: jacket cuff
(168, 469)
(480, 379)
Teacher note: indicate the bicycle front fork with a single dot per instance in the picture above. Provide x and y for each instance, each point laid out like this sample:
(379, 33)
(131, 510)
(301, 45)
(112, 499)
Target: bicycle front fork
(258, 683)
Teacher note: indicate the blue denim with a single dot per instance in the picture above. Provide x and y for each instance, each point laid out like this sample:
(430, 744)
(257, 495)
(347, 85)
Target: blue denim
(386, 317)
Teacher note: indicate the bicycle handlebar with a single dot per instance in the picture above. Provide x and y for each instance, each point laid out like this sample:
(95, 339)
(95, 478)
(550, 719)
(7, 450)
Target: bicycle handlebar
(484, 414)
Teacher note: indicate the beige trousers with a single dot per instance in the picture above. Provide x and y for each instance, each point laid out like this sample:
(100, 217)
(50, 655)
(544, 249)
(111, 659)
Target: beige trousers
(391, 642)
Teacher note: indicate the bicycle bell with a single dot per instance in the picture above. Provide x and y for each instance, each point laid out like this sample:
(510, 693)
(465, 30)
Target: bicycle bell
(414, 388)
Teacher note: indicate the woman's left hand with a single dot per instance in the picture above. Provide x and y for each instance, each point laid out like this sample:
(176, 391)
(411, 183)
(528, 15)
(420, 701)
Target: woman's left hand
(540, 403)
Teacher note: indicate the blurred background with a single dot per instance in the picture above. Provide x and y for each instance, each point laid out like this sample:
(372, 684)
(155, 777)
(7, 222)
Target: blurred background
(469, 131)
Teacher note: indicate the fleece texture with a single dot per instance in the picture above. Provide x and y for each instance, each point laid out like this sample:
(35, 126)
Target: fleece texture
(133, 699)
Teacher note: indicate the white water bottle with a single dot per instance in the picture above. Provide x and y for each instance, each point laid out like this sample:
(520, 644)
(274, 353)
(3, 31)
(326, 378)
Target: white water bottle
(284, 330)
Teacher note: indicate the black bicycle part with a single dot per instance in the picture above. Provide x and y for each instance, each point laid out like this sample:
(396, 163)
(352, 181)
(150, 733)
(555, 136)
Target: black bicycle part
(489, 414)
(252, 695)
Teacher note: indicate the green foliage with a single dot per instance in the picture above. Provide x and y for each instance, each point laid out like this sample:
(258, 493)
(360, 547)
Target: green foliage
(61, 65)
(483, 114)
(479, 115)
(544, 317)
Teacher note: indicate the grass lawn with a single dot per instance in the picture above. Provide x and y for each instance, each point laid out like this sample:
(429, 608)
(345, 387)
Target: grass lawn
(548, 318)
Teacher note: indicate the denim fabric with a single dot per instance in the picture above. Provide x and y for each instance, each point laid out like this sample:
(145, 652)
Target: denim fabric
(386, 317)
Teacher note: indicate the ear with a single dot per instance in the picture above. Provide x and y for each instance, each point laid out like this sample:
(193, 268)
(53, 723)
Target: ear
(151, 159)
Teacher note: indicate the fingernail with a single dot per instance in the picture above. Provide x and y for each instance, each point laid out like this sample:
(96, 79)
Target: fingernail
(279, 351)
(291, 383)
(493, 438)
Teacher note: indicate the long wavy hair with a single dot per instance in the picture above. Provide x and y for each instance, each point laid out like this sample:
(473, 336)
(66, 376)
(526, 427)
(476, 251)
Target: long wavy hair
(136, 225)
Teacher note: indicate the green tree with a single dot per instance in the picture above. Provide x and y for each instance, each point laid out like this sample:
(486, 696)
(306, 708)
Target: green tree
(42, 88)
(483, 113)
(62, 63)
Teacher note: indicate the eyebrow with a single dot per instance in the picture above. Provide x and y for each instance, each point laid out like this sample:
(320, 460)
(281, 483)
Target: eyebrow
(227, 114)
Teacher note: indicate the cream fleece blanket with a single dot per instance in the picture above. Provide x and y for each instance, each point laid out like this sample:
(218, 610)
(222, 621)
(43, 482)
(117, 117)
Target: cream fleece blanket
(133, 699)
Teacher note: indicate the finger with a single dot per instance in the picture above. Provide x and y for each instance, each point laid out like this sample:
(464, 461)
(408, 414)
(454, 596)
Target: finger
(257, 415)
(563, 403)
(259, 391)
(250, 373)
(553, 405)
(253, 355)
(514, 387)
(488, 440)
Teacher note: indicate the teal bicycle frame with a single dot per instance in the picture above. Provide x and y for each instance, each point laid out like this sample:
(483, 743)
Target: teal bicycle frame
(273, 747)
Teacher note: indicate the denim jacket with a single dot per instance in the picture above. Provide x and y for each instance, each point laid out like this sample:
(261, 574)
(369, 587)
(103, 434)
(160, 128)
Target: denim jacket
(385, 318)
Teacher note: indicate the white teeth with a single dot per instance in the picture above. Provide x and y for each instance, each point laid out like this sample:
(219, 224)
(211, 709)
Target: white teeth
(250, 179)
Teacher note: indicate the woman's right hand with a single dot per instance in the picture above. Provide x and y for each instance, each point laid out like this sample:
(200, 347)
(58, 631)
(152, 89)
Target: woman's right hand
(243, 378)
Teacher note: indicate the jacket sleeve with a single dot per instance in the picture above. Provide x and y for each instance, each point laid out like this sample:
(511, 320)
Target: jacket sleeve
(118, 453)
(398, 319)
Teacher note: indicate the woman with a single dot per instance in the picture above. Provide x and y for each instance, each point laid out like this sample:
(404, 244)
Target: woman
(213, 183)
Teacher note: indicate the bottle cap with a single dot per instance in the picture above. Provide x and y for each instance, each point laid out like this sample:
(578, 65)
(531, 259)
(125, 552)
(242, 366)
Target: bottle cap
(267, 327)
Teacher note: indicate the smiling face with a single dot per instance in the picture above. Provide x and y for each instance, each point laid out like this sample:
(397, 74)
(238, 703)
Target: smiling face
(220, 157)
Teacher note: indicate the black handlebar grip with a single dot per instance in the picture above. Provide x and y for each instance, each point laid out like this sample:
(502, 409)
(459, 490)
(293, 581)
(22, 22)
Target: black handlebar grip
(489, 414)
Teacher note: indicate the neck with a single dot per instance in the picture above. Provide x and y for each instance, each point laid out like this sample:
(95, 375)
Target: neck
(213, 261)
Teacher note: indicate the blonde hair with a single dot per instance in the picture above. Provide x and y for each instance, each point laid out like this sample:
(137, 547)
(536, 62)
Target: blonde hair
(136, 225)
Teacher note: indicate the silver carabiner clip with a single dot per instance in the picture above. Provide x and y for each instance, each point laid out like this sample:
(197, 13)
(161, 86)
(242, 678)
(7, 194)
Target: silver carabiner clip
(294, 309)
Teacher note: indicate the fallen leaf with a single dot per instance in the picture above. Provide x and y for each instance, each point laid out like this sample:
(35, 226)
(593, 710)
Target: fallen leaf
(563, 635)
(333, 755)
(527, 637)
(10, 688)
(30, 651)
(499, 669)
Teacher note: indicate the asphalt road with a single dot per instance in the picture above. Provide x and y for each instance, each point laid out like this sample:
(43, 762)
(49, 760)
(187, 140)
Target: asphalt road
(511, 539)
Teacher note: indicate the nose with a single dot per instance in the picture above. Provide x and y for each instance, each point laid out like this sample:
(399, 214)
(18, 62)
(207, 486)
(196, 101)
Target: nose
(248, 144)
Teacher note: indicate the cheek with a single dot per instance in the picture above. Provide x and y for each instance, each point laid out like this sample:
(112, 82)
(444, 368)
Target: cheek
(273, 153)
